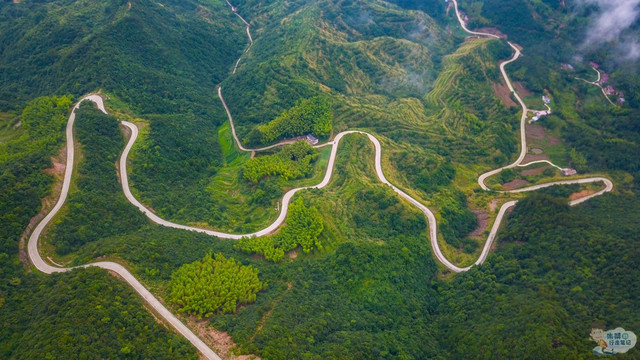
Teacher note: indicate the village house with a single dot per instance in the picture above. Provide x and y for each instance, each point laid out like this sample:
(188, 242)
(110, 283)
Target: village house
(609, 90)
(568, 171)
(594, 64)
(566, 67)
(311, 139)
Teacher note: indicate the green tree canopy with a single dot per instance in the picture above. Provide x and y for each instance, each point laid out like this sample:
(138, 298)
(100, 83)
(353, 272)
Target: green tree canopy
(311, 115)
(303, 226)
(294, 161)
(213, 285)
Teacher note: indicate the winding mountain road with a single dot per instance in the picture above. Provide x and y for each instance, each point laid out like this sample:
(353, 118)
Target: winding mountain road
(235, 11)
(41, 265)
(597, 83)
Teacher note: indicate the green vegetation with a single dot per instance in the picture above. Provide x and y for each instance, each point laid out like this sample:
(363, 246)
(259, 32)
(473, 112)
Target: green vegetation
(84, 313)
(598, 136)
(382, 215)
(557, 272)
(425, 173)
(22, 161)
(308, 116)
(213, 286)
(294, 161)
(96, 206)
(302, 228)
(392, 298)
(164, 59)
(457, 220)
(365, 54)
(158, 61)
(371, 287)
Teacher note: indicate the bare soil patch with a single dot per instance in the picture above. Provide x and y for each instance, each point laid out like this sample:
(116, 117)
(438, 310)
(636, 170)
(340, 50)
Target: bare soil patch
(502, 92)
(493, 205)
(483, 221)
(580, 194)
(512, 185)
(538, 132)
(536, 171)
(553, 140)
(521, 90)
(59, 163)
(219, 340)
(58, 168)
(533, 157)
(292, 254)
(535, 132)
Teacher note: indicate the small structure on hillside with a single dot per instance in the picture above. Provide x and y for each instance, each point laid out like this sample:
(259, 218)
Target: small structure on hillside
(539, 114)
(594, 64)
(311, 139)
(546, 99)
(567, 67)
(609, 90)
(605, 78)
(568, 171)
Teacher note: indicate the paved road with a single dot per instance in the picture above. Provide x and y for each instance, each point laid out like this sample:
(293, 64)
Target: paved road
(378, 168)
(40, 264)
(608, 185)
(235, 11)
(464, 26)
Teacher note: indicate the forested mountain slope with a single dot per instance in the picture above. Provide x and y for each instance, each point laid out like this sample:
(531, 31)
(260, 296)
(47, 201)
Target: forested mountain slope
(155, 56)
(370, 286)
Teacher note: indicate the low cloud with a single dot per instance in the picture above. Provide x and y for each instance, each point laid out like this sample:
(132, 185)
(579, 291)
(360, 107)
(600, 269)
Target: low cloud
(611, 22)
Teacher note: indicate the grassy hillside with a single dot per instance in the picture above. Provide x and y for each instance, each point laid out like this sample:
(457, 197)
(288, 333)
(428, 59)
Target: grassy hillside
(345, 48)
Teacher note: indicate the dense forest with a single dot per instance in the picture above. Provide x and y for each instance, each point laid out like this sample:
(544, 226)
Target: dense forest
(213, 285)
(96, 207)
(309, 116)
(294, 161)
(351, 273)
(303, 227)
(63, 315)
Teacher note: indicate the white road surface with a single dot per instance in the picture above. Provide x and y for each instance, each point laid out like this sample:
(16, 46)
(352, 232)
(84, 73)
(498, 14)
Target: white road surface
(235, 11)
(43, 266)
(40, 264)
